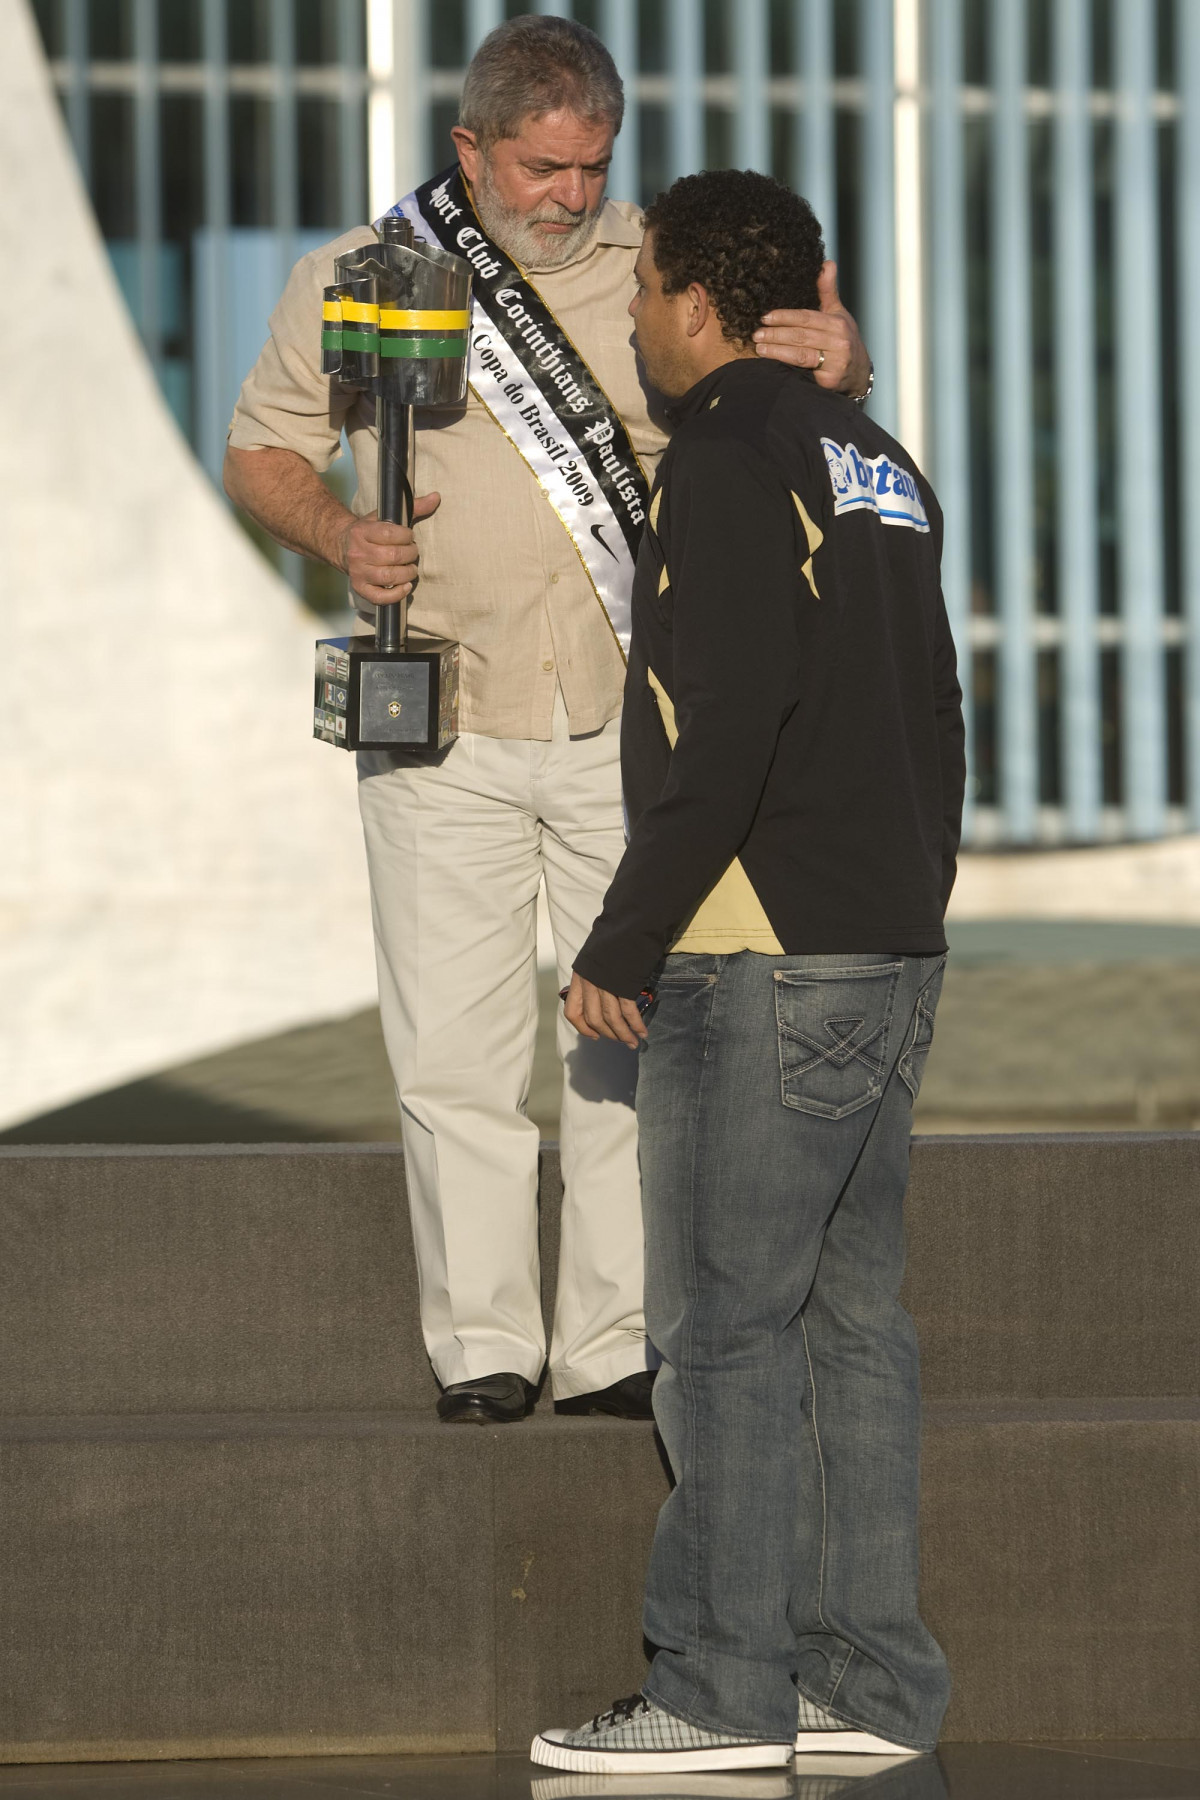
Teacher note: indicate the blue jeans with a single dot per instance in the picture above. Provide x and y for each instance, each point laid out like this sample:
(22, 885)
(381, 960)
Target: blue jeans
(774, 1109)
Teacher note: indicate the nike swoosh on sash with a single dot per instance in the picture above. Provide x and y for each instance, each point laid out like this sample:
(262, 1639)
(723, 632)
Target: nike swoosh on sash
(600, 541)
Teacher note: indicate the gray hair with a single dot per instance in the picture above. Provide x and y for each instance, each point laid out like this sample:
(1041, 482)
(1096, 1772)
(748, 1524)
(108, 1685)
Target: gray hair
(538, 63)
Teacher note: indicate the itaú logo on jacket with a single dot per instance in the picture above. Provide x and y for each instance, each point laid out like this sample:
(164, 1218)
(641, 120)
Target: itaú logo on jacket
(873, 484)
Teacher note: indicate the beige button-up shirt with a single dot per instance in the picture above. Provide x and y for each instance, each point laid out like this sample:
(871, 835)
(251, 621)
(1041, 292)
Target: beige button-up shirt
(499, 573)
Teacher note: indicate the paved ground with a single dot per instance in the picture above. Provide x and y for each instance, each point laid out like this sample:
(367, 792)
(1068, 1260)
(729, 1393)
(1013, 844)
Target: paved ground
(1102, 1771)
(1043, 1026)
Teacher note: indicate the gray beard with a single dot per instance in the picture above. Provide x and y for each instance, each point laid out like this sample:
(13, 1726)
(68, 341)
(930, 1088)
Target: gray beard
(514, 231)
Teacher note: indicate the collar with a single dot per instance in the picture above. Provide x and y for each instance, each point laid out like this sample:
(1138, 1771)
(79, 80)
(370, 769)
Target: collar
(742, 372)
(620, 223)
(613, 228)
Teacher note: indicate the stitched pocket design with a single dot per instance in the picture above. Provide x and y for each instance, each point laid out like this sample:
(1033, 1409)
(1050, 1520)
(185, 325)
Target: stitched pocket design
(833, 1027)
(913, 1057)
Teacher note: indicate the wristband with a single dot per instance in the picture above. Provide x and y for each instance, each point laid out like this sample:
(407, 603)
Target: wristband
(861, 399)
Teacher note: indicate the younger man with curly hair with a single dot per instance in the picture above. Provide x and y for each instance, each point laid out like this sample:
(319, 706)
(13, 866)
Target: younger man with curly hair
(792, 753)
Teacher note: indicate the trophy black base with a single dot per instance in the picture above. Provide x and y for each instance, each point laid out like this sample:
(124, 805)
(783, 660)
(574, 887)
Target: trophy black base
(372, 699)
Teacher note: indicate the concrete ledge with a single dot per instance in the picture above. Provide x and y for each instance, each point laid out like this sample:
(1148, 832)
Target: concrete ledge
(223, 1586)
(290, 1584)
(280, 1277)
(227, 1279)
(234, 1527)
(1061, 1566)
(1056, 1265)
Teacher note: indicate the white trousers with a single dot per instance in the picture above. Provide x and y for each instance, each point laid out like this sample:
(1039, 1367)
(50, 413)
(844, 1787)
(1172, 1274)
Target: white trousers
(456, 850)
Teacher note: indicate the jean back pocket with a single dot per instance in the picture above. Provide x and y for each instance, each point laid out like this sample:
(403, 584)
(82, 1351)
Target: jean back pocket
(834, 1025)
(913, 1057)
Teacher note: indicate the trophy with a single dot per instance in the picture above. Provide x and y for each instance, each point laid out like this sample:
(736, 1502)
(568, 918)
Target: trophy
(395, 325)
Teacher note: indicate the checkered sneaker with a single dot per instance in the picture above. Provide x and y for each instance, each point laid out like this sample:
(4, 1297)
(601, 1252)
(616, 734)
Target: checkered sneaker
(819, 1733)
(636, 1737)
(815, 1718)
(637, 1724)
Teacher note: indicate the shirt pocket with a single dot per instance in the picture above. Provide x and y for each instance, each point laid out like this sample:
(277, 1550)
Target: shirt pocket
(833, 1027)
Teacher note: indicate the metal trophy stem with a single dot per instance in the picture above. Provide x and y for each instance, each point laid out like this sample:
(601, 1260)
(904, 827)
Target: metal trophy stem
(397, 462)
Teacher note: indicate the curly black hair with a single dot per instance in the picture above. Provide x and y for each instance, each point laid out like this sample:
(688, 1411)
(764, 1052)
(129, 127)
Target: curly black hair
(749, 241)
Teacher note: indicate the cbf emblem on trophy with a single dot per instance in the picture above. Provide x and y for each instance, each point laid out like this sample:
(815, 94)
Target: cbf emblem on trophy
(395, 325)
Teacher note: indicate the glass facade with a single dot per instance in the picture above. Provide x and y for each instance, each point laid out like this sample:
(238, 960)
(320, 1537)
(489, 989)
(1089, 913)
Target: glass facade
(1012, 192)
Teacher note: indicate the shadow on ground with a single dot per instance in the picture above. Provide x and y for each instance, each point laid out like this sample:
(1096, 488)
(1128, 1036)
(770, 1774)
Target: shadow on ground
(321, 1083)
(1043, 1025)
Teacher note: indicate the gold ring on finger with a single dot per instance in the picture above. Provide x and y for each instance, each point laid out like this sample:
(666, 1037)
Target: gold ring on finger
(820, 359)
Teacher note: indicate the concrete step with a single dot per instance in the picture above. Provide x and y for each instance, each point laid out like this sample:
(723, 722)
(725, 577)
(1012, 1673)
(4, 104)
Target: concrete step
(220, 1585)
(280, 1278)
(1056, 1265)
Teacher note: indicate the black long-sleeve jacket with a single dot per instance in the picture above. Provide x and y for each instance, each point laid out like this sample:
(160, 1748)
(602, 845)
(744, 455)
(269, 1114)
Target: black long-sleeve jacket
(792, 740)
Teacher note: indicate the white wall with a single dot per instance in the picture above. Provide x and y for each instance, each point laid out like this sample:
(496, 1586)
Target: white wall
(1155, 882)
(180, 864)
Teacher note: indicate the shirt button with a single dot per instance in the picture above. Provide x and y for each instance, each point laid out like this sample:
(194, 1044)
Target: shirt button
(548, 665)
(554, 578)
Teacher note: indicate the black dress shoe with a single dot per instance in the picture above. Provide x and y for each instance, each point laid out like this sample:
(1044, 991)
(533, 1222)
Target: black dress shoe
(629, 1398)
(488, 1400)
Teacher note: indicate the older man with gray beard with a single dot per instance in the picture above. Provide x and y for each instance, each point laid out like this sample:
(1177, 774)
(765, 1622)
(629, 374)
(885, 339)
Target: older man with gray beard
(527, 544)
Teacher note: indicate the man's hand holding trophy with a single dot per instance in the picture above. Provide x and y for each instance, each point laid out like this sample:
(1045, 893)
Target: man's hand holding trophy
(395, 324)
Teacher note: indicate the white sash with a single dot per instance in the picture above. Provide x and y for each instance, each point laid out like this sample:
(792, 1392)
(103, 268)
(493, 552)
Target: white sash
(531, 378)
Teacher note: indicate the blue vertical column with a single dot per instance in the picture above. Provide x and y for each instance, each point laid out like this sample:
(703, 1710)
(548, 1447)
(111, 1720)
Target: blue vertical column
(482, 16)
(412, 93)
(1012, 415)
(147, 177)
(352, 108)
(1075, 417)
(1187, 25)
(1139, 417)
(814, 172)
(618, 28)
(878, 200)
(76, 97)
(285, 180)
(213, 299)
(949, 387)
(752, 124)
(685, 44)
